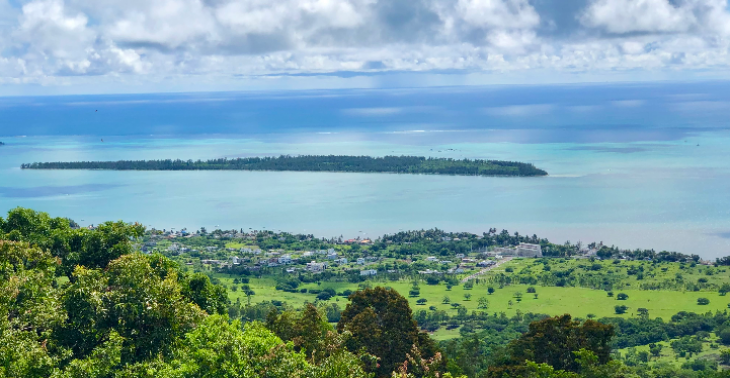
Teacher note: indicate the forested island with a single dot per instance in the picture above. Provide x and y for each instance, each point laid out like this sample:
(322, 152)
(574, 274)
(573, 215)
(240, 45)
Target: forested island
(316, 163)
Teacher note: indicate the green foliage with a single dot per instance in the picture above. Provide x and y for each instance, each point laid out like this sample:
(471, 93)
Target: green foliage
(620, 309)
(381, 323)
(703, 301)
(554, 341)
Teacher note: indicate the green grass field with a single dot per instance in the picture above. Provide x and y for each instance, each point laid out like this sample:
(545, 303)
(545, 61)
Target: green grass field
(668, 356)
(579, 302)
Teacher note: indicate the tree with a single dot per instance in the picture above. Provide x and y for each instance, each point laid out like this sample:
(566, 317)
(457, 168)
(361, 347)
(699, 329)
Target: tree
(490, 290)
(422, 301)
(622, 296)
(620, 309)
(531, 290)
(554, 341)
(141, 303)
(467, 297)
(703, 301)
(446, 300)
(483, 303)
(725, 336)
(655, 349)
(643, 313)
(724, 289)
(381, 323)
(198, 288)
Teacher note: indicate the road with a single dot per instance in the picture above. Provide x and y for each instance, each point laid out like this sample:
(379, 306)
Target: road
(485, 270)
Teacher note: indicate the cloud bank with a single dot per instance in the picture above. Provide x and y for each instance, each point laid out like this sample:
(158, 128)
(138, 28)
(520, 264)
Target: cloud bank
(44, 41)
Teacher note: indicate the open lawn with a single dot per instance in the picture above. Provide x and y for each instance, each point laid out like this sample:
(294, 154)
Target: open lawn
(579, 302)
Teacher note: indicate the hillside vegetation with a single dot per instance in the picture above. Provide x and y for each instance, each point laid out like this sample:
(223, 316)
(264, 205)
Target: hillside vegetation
(87, 302)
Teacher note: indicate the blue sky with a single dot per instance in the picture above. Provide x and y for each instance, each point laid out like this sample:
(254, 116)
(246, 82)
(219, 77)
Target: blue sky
(123, 46)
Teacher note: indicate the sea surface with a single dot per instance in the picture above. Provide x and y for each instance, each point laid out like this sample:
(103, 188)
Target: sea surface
(632, 165)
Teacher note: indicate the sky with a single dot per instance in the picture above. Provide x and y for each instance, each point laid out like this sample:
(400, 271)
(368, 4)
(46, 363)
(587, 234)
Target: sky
(130, 46)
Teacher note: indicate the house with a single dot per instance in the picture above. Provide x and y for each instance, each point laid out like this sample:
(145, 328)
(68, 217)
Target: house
(432, 259)
(368, 272)
(308, 254)
(459, 255)
(485, 263)
(444, 262)
(235, 260)
(291, 270)
(445, 238)
(429, 271)
(456, 270)
(332, 256)
(285, 259)
(360, 261)
(316, 267)
(341, 261)
(468, 261)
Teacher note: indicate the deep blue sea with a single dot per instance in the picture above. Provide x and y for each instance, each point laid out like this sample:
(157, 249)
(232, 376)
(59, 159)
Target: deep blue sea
(634, 165)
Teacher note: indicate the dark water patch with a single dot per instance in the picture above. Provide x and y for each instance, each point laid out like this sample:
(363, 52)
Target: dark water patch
(52, 191)
(724, 235)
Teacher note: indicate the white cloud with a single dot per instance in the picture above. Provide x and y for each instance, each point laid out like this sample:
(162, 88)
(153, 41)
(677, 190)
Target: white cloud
(628, 103)
(57, 41)
(519, 110)
(372, 112)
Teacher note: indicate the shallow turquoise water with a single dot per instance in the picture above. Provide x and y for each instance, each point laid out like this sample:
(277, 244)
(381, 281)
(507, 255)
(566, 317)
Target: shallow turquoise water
(667, 194)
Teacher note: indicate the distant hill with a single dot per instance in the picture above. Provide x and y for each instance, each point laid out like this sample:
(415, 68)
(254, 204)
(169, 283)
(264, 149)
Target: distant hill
(317, 163)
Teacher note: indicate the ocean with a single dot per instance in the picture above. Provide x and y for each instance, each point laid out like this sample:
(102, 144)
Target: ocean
(631, 165)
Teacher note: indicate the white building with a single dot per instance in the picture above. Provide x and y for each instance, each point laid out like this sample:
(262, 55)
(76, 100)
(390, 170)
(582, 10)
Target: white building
(368, 272)
(432, 259)
(235, 260)
(360, 261)
(529, 250)
(316, 267)
(285, 259)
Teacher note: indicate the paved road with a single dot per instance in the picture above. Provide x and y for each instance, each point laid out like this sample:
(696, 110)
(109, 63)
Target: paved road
(487, 269)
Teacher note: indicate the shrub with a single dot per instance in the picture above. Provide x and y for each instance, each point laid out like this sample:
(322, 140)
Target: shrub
(622, 296)
(324, 296)
(703, 301)
(531, 290)
(620, 309)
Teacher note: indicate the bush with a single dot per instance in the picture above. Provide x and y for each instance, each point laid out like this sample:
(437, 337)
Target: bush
(610, 293)
(531, 290)
(324, 296)
(620, 309)
(703, 301)
(509, 269)
(422, 301)
(622, 297)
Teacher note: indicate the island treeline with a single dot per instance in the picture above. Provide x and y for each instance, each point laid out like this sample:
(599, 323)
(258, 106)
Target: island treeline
(317, 163)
